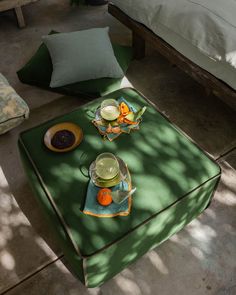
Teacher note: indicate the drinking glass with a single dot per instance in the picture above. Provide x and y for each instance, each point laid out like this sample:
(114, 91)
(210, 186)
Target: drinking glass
(106, 166)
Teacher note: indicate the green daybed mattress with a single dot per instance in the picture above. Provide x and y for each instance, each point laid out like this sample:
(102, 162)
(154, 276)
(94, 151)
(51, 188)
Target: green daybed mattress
(202, 30)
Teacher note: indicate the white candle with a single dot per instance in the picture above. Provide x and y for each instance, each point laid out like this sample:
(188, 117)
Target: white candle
(110, 112)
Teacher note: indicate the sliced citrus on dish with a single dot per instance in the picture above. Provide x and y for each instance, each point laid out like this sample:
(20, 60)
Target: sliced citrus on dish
(124, 109)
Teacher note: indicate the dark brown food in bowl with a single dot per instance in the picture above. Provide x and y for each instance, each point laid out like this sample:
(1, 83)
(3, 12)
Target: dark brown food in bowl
(63, 139)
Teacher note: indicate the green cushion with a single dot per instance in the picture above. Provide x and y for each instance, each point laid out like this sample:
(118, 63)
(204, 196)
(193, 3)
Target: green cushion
(81, 56)
(174, 179)
(38, 72)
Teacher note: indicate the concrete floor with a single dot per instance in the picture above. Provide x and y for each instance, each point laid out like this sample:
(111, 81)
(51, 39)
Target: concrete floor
(201, 259)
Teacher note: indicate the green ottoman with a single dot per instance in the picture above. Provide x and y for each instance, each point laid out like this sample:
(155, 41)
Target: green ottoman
(175, 181)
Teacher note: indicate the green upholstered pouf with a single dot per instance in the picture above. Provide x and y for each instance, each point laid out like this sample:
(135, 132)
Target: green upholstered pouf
(175, 181)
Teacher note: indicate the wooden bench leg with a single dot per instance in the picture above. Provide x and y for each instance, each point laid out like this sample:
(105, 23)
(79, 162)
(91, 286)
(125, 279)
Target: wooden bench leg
(138, 46)
(20, 17)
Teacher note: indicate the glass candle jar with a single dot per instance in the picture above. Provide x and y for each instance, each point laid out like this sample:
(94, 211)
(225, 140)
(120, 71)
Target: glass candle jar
(110, 109)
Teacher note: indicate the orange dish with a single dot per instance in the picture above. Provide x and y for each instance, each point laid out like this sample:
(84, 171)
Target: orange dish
(65, 126)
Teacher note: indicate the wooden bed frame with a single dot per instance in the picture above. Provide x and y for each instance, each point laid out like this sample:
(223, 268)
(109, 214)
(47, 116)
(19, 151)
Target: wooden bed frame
(16, 5)
(141, 34)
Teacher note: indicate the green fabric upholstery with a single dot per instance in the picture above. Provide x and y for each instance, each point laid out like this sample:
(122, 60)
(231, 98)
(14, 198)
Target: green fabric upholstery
(38, 72)
(81, 56)
(175, 181)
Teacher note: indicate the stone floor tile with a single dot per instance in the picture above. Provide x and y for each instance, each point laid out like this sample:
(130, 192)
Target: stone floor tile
(230, 158)
(22, 251)
(207, 120)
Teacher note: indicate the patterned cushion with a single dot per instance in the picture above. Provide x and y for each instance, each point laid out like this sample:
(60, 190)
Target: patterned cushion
(13, 109)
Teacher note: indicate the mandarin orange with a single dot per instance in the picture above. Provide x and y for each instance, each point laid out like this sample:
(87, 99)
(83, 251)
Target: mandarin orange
(104, 197)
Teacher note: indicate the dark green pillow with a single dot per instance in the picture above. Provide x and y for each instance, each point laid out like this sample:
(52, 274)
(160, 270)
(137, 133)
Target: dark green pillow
(38, 72)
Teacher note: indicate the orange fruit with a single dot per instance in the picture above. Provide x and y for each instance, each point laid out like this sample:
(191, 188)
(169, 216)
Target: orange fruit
(104, 197)
(124, 109)
(129, 122)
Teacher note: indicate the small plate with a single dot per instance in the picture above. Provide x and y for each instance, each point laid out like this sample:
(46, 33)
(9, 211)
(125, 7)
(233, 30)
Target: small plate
(123, 175)
(108, 182)
(75, 129)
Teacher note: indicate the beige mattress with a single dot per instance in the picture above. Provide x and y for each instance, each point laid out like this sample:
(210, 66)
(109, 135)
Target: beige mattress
(202, 30)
